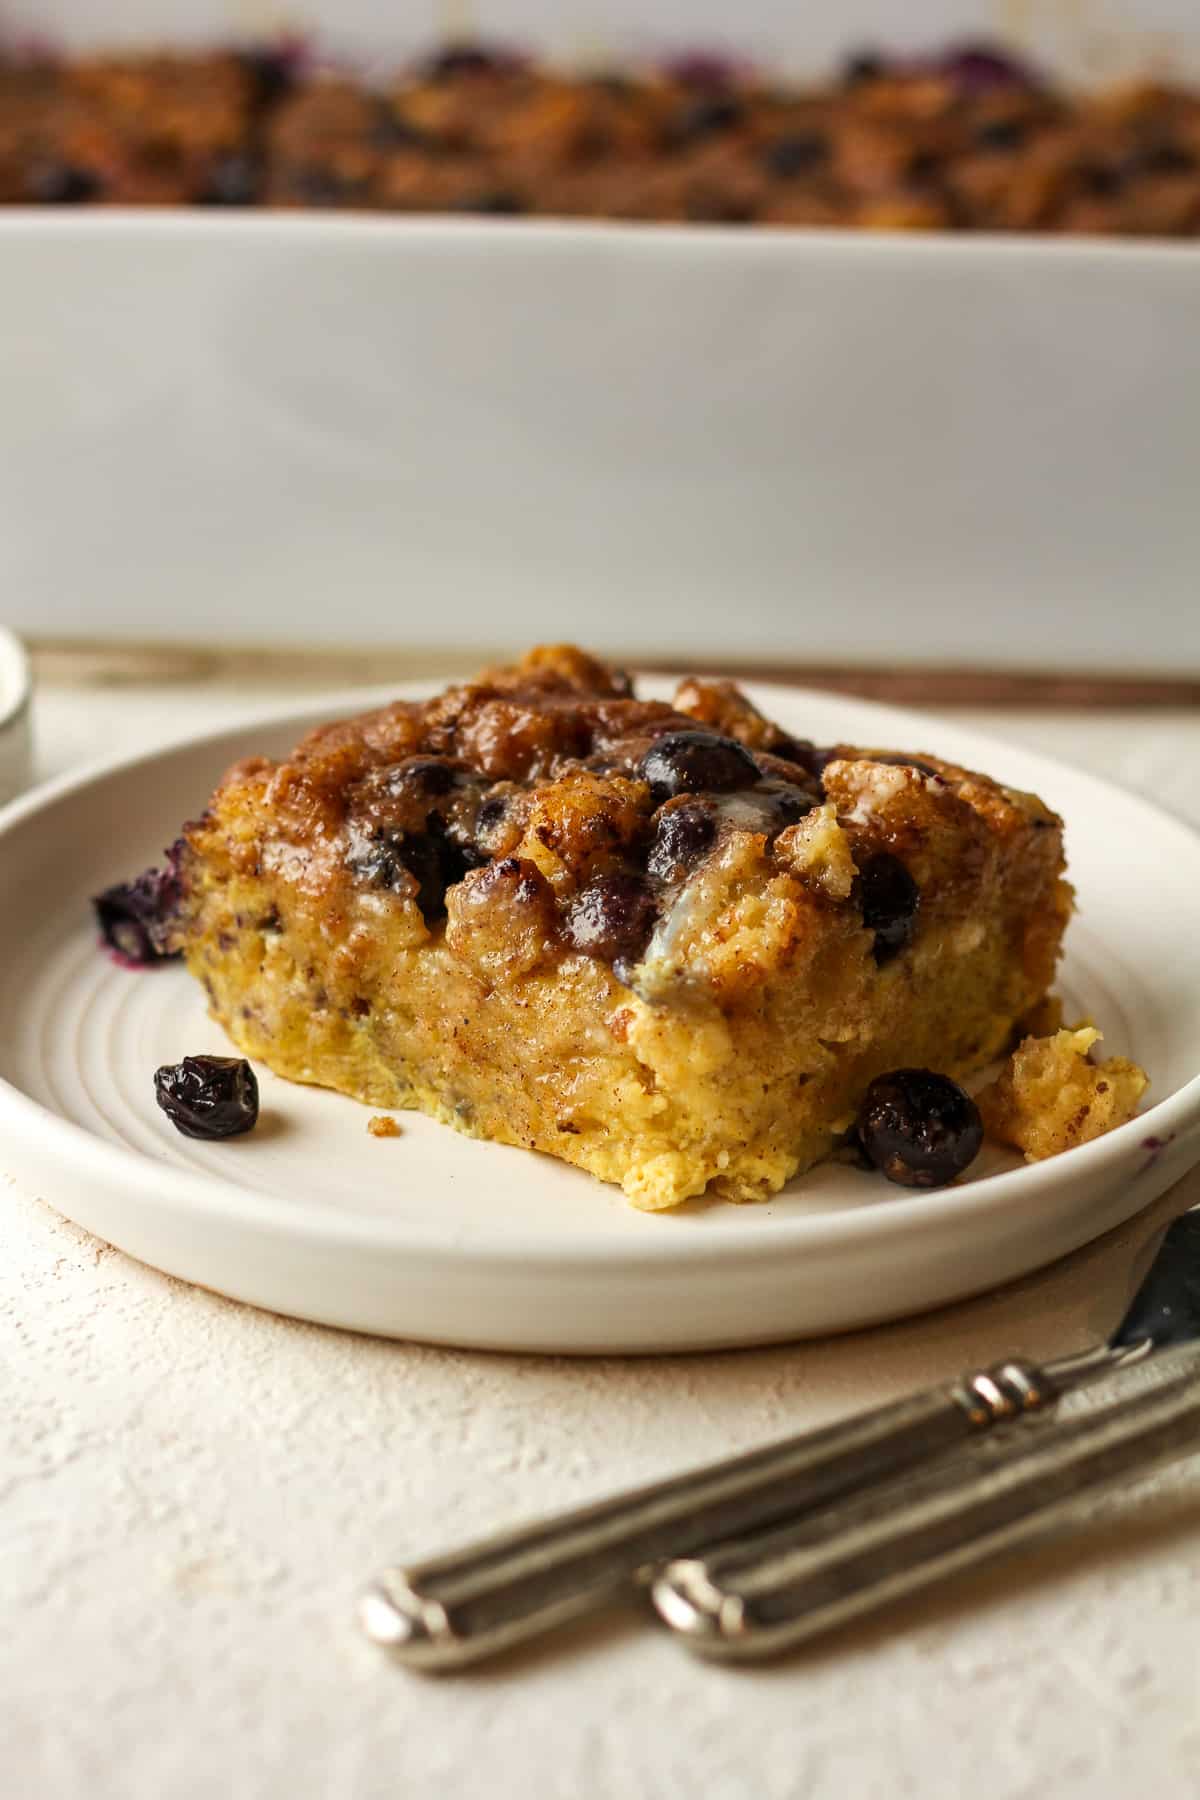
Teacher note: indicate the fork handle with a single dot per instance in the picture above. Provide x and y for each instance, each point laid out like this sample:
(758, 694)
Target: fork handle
(749, 1601)
(455, 1609)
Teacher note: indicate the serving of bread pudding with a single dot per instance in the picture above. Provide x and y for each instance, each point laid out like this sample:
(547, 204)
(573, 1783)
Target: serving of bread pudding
(670, 943)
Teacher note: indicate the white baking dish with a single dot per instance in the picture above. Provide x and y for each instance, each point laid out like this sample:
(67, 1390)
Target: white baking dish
(664, 441)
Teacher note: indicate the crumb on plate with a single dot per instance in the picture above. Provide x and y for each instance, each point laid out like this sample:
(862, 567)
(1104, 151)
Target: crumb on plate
(1050, 1096)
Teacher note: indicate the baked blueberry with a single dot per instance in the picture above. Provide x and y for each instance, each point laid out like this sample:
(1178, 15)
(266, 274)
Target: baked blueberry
(432, 860)
(57, 183)
(796, 154)
(135, 917)
(701, 69)
(1001, 134)
(787, 805)
(910, 762)
(1100, 179)
(863, 65)
(705, 116)
(466, 59)
(497, 201)
(273, 70)
(804, 753)
(422, 774)
(1165, 158)
(982, 68)
(921, 1129)
(682, 835)
(696, 762)
(234, 180)
(890, 900)
(208, 1096)
(612, 918)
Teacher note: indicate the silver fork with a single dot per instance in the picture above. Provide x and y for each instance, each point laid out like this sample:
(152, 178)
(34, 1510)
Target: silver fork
(744, 1602)
(452, 1610)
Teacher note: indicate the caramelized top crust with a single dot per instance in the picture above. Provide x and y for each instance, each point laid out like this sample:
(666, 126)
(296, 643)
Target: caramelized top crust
(970, 140)
(545, 809)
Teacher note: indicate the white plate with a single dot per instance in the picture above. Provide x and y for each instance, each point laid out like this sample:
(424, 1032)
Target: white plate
(16, 748)
(434, 1236)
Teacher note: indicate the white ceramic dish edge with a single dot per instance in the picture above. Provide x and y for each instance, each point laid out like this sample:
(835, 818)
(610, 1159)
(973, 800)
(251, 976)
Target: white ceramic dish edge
(887, 447)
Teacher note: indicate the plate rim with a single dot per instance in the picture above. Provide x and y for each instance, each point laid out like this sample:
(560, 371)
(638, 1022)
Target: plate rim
(906, 1215)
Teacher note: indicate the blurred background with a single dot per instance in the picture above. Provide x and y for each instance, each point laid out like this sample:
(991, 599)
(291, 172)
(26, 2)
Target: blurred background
(912, 459)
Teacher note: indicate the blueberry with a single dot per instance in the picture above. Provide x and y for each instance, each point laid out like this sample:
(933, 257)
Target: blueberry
(682, 835)
(982, 68)
(273, 71)
(701, 69)
(490, 817)
(796, 154)
(705, 116)
(921, 1129)
(612, 918)
(696, 762)
(424, 775)
(1164, 159)
(497, 201)
(57, 183)
(315, 186)
(910, 762)
(433, 861)
(890, 900)
(923, 167)
(862, 66)
(464, 59)
(135, 917)
(391, 131)
(1100, 180)
(208, 1096)
(1001, 134)
(233, 181)
(803, 752)
(788, 805)
(709, 206)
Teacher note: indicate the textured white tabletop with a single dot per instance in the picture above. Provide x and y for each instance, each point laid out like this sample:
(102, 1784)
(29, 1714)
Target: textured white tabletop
(192, 1492)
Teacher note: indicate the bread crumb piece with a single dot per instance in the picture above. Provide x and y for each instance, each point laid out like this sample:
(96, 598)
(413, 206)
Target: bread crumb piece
(379, 1125)
(1050, 1096)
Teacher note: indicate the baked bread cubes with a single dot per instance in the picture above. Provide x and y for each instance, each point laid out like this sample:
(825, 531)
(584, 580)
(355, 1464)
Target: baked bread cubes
(968, 139)
(670, 944)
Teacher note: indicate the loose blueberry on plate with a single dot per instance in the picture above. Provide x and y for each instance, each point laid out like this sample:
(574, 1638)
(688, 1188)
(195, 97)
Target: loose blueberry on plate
(890, 900)
(208, 1096)
(920, 1128)
(696, 762)
(135, 916)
